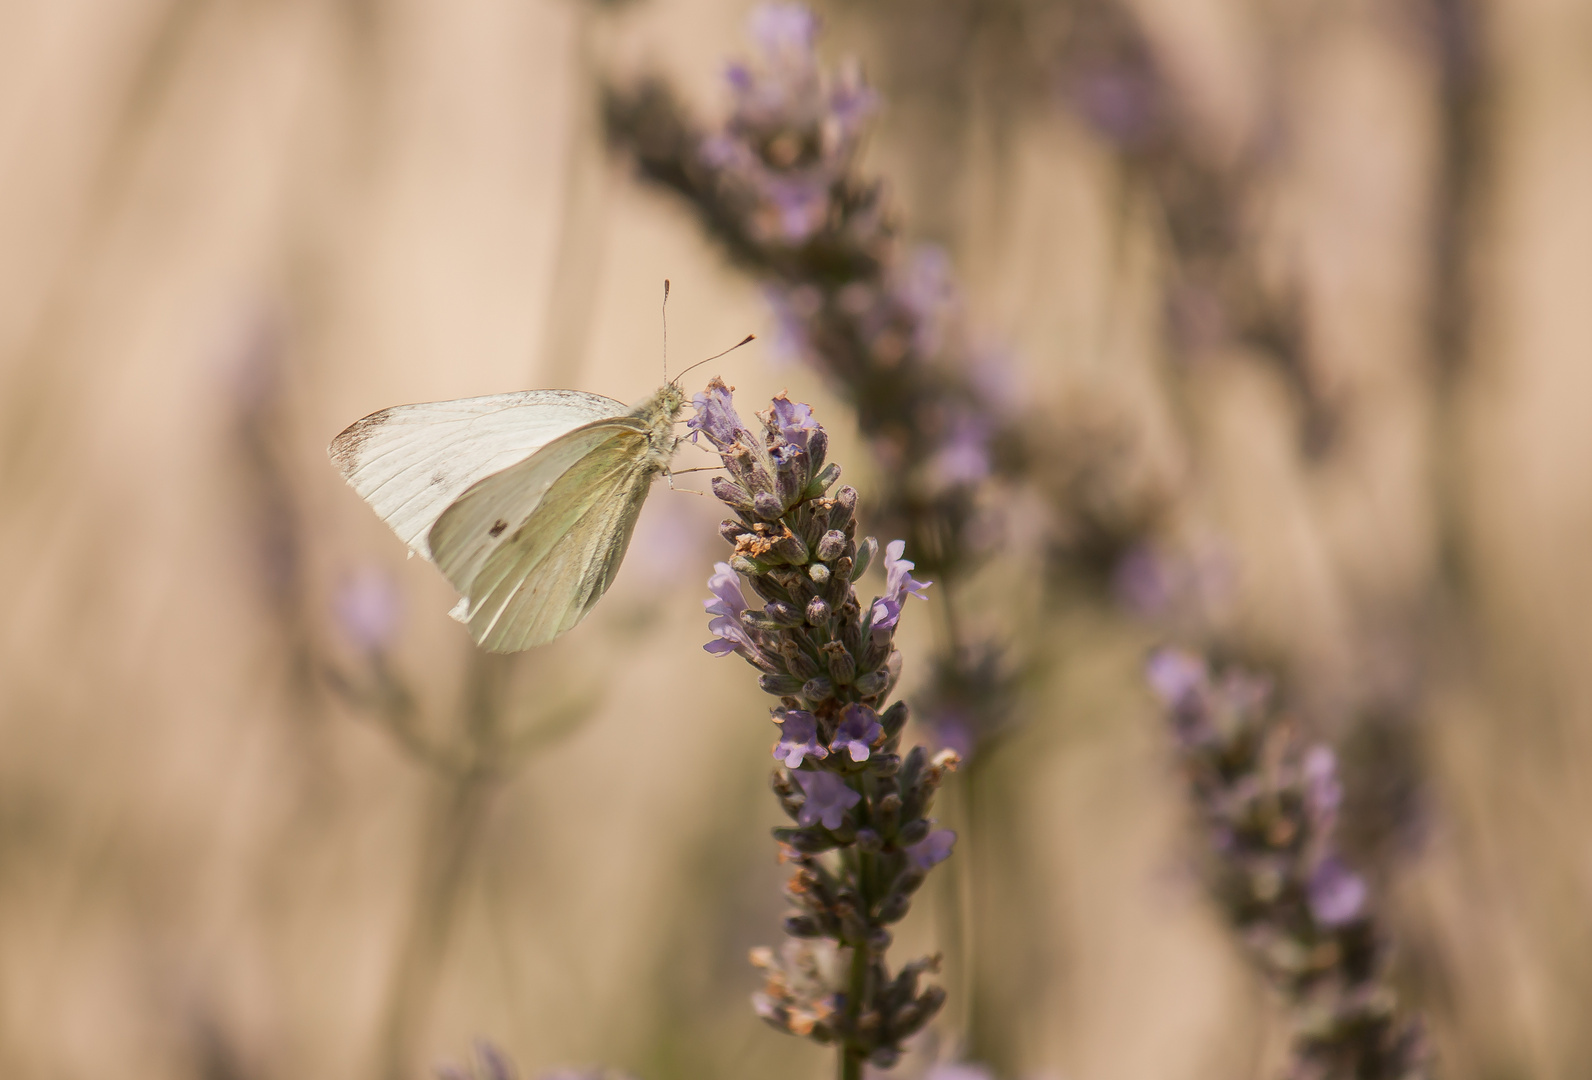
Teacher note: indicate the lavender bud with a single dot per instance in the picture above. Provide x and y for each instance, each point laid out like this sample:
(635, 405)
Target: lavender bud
(731, 530)
(893, 908)
(803, 926)
(822, 482)
(869, 841)
(767, 506)
(754, 620)
(832, 545)
(842, 668)
(909, 882)
(876, 651)
(893, 719)
(885, 1057)
(887, 812)
(818, 573)
(731, 494)
(838, 588)
(817, 689)
(912, 832)
(866, 551)
(850, 634)
(873, 683)
(811, 840)
(782, 614)
(801, 665)
(792, 581)
(789, 548)
(790, 476)
(878, 941)
(779, 685)
(817, 612)
(840, 514)
(817, 449)
(741, 564)
(884, 764)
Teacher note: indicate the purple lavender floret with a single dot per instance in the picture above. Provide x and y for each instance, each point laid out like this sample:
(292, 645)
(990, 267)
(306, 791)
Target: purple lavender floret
(798, 738)
(859, 728)
(795, 421)
(1337, 894)
(726, 606)
(716, 417)
(932, 849)
(828, 799)
(899, 584)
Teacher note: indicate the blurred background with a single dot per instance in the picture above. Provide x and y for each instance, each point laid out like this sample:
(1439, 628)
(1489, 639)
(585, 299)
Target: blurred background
(1316, 275)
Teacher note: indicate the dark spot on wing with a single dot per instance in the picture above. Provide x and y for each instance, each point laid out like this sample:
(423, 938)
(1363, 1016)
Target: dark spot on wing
(438, 479)
(497, 528)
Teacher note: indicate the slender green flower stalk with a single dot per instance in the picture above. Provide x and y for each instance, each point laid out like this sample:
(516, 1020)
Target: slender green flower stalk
(861, 842)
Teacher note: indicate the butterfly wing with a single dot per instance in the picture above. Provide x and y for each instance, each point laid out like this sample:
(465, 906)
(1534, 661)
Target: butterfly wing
(533, 548)
(412, 462)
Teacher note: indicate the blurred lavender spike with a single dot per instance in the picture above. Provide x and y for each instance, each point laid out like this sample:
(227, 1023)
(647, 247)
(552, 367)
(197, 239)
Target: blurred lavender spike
(1269, 805)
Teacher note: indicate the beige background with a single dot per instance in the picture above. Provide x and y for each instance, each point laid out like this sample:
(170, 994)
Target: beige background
(230, 227)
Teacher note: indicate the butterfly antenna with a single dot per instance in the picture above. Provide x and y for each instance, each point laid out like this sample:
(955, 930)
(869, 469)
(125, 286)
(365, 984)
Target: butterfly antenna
(715, 356)
(665, 329)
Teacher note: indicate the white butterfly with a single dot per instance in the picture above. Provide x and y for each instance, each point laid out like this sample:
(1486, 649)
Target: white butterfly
(524, 501)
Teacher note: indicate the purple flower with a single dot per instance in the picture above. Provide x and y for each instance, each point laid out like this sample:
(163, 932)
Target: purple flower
(1175, 676)
(899, 584)
(1323, 791)
(964, 457)
(715, 416)
(859, 727)
(932, 849)
(959, 1070)
(783, 28)
(726, 605)
(368, 609)
(1337, 894)
(800, 204)
(828, 799)
(798, 737)
(794, 421)
(899, 581)
(928, 290)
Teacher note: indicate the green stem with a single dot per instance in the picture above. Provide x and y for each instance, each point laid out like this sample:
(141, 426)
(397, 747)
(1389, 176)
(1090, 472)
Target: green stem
(850, 1060)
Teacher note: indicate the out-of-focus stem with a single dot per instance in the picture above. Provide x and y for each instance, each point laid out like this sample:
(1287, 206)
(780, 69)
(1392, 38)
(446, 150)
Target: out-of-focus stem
(449, 847)
(444, 865)
(856, 988)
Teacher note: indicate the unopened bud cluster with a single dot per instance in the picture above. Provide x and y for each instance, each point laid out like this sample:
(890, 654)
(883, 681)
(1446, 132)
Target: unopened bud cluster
(1269, 802)
(861, 841)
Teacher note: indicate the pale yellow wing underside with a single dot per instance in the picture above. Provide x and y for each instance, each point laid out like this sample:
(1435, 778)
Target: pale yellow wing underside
(533, 547)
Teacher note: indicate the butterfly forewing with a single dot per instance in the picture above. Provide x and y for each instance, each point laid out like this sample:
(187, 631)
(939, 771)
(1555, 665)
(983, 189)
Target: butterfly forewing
(411, 462)
(538, 577)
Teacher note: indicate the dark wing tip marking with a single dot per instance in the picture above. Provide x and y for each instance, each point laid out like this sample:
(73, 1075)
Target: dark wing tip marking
(344, 449)
(497, 528)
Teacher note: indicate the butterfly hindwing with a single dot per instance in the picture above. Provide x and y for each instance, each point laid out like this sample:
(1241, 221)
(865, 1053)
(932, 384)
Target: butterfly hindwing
(566, 513)
(412, 462)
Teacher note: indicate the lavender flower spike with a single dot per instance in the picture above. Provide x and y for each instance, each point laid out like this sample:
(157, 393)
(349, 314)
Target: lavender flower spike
(1269, 804)
(842, 778)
